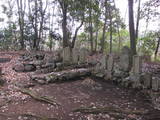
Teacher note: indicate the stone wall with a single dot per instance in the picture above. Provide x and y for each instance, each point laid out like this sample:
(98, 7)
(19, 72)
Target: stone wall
(74, 56)
(120, 71)
(115, 68)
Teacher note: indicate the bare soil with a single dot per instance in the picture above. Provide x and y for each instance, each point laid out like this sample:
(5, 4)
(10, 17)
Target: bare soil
(84, 92)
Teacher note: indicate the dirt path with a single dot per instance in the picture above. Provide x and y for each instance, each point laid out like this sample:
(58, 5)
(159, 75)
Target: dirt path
(71, 95)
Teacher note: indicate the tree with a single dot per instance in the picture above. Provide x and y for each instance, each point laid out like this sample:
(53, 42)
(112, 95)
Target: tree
(158, 44)
(64, 7)
(150, 11)
(21, 5)
(104, 26)
(131, 28)
(138, 19)
(37, 18)
(73, 10)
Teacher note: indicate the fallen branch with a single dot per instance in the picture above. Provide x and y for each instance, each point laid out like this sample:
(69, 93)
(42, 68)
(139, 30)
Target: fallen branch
(37, 97)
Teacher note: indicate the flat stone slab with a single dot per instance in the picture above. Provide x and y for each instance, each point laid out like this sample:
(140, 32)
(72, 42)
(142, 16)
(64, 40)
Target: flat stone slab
(4, 60)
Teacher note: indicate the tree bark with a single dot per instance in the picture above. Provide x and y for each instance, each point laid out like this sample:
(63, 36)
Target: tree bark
(110, 18)
(131, 28)
(104, 29)
(21, 11)
(138, 19)
(64, 7)
(96, 40)
(91, 28)
(157, 48)
(76, 32)
(35, 26)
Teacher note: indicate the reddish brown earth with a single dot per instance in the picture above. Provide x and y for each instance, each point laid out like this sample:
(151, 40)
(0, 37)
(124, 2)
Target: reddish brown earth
(70, 95)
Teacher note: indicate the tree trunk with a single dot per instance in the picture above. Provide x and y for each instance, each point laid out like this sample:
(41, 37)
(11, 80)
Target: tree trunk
(110, 18)
(131, 28)
(119, 36)
(138, 19)
(96, 40)
(104, 29)
(64, 27)
(64, 7)
(157, 48)
(119, 42)
(76, 32)
(91, 28)
(35, 46)
(21, 22)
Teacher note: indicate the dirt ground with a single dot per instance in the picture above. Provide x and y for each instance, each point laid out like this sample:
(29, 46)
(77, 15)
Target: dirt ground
(84, 92)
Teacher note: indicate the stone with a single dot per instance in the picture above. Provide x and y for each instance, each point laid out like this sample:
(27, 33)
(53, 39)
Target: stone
(137, 64)
(48, 65)
(39, 56)
(136, 81)
(125, 58)
(155, 83)
(83, 56)
(103, 62)
(108, 75)
(126, 82)
(18, 67)
(101, 65)
(110, 62)
(2, 80)
(147, 80)
(91, 84)
(75, 56)
(37, 62)
(99, 74)
(50, 59)
(92, 62)
(67, 58)
(29, 67)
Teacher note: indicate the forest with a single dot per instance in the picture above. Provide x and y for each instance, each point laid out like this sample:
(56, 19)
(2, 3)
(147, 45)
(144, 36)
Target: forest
(80, 60)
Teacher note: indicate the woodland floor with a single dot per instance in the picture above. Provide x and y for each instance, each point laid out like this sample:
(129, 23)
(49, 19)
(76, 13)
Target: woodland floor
(71, 95)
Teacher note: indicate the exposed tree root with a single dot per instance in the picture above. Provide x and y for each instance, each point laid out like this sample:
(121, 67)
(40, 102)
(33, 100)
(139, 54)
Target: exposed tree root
(37, 117)
(28, 115)
(109, 110)
(38, 97)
